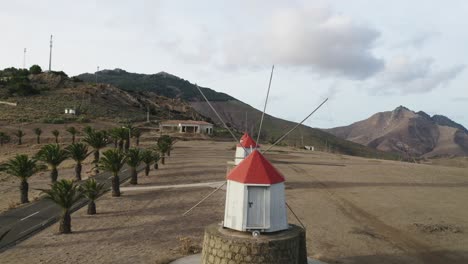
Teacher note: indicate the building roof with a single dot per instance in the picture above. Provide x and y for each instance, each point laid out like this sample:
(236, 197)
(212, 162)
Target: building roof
(247, 142)
(255, 169)
(185, 122)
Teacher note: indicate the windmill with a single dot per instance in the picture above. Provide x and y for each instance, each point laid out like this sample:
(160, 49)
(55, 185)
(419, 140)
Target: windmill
(255, 200)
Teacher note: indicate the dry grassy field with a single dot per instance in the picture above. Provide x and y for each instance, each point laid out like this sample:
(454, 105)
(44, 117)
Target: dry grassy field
(356, 210)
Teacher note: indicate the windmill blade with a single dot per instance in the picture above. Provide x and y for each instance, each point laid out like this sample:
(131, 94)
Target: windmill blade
(201, 201)
(296, 126)
(264, 107)
(220, 119)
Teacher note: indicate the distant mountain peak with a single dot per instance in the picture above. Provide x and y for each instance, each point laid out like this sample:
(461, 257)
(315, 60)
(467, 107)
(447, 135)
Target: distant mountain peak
(401, 108)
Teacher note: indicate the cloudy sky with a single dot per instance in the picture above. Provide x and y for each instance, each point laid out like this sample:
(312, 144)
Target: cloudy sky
(365, 55)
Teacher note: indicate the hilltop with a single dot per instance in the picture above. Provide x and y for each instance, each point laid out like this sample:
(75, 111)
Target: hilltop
(49, 93)
(408, 132)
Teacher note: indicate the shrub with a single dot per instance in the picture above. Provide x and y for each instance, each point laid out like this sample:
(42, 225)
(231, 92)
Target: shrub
(53, 121)
(35, 69)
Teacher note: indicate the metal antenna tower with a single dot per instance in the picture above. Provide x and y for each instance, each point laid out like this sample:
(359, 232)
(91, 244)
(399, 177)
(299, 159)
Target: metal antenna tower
(24, 58)
(50, 54)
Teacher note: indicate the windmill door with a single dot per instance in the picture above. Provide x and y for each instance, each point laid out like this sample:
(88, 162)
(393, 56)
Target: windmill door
(256, 207)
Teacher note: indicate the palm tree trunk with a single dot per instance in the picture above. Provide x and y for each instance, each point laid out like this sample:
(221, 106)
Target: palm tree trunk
(38, 140)
(20, 141)
(24, 187)
(147, 169)
(54, 175)
(56, 140)
(127, 145)
(163, 160)
(134, 176)
(65, 223)
(115, 185)
(96, 160)
(78, 171)
(156, 165)
(91, 207)
(73, 139)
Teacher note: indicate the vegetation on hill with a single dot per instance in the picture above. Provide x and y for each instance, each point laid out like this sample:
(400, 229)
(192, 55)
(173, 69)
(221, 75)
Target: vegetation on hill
(161, 83)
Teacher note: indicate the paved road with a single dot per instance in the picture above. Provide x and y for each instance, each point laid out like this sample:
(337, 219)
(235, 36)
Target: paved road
(20, 223)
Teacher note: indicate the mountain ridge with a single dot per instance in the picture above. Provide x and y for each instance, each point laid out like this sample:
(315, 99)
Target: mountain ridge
(408, 132)
(232, 110)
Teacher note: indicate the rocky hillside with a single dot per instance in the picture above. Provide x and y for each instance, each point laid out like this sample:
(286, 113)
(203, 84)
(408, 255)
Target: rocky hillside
(408, 132)
(161, 83)
(53, 92)
(237, 114)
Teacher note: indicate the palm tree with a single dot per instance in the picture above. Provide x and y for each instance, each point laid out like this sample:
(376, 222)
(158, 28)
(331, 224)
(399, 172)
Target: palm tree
(92, 190)
(73, 131)
(168, 140)
(88, 129)
(64, 193)
(19, 134)
(156, 158)
(113, 160)
(163, 147)
(56, 133)
(114, 137)
(23, 167)
(147, 157)
(53, 155)
(128, 134)
(119, 134)
(133, 161)
(137, 134)
(38, 133)
(4, 138)
(78, 152)
(97, 140)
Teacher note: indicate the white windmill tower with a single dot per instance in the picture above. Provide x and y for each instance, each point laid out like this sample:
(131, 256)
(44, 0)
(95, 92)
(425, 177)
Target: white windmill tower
(255, 199)
(245, 146)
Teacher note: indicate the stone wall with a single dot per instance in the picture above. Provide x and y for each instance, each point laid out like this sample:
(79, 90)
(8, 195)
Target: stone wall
(225, 246)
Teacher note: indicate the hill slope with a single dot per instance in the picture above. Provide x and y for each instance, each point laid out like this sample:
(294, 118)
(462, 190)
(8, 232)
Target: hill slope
(231, 110)
(162, 83)
(57, 92)
(405, 131)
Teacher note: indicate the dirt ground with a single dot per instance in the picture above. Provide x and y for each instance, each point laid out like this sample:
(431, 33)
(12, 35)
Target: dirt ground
(355, 210)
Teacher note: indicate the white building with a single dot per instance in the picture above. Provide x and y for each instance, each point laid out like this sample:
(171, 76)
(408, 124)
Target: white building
(244, 148)
(70, 111)
(187, 126)
(255, 199)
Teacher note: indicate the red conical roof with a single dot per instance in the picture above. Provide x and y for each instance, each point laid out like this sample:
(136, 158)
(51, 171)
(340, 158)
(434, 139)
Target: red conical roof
(255, 169)
(247, 142)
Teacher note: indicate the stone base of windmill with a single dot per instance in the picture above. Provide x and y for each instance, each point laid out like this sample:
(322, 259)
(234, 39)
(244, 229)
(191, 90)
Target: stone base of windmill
(222, 245)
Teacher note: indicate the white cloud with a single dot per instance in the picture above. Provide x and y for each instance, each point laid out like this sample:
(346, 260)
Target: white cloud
(404, 75)
(310, 38)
